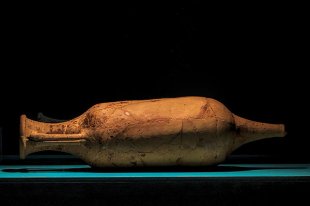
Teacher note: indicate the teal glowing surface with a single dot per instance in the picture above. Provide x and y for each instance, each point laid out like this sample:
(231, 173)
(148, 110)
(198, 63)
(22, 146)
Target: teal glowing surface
(84, 171)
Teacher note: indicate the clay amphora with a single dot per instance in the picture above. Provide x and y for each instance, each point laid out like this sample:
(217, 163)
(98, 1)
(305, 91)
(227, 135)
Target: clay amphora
(187, 131)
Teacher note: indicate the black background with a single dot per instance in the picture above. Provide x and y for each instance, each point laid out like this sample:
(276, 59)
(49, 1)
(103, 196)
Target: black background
(62, 59)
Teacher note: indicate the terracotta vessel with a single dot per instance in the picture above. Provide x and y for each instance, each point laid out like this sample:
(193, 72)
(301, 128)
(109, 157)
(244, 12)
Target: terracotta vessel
(187, 131)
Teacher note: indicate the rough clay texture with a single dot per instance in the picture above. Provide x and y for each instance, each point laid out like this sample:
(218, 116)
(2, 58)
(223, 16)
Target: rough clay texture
(187, 131)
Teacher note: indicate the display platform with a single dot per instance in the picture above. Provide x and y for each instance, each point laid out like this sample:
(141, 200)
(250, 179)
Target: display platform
(33, 183)
(51, 172)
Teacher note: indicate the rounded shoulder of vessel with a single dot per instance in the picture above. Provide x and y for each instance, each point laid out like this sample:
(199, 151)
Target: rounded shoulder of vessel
(195, 98)
(188, 100)
(204, 100)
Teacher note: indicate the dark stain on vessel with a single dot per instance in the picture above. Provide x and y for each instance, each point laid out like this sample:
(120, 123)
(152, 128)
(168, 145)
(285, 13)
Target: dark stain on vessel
(63, 129)
(92, 121)
(203, 110)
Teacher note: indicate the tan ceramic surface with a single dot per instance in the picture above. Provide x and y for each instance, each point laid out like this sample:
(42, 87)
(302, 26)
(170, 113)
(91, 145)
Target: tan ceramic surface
(187, 131)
